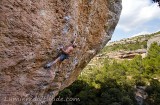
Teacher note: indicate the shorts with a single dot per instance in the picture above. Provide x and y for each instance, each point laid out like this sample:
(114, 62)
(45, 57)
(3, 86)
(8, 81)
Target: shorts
(63, 56)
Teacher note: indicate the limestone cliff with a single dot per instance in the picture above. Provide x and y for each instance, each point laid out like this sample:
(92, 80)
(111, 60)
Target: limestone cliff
(30, 33)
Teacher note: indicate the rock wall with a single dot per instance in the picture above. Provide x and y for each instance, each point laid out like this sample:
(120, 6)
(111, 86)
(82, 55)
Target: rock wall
(31, 31)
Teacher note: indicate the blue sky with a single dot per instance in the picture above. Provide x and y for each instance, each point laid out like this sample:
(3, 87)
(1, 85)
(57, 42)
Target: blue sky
(138, 17)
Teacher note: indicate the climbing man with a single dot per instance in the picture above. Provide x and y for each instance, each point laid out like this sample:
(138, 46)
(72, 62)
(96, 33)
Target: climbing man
(65, 52)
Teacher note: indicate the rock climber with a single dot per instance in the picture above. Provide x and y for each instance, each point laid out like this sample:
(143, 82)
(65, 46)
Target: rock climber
(64, 54)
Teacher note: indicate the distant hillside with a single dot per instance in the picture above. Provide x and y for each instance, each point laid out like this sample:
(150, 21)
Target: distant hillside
(127, 48)
(133, 43)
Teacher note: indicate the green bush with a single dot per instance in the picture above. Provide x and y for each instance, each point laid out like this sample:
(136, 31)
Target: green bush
(126, 101)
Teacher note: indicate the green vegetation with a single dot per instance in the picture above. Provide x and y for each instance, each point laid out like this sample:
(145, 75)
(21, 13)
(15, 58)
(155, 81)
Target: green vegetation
(138, 42)
(128, 46)
(113, 82)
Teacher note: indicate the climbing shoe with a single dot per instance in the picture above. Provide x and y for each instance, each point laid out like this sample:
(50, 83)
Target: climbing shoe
(47, 66)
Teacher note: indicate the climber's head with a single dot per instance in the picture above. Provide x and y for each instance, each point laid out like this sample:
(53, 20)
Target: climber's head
(72, 41)
(74, 45)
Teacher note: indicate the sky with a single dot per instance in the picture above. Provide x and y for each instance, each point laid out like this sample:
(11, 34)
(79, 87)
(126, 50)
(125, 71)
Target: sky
(138, 17)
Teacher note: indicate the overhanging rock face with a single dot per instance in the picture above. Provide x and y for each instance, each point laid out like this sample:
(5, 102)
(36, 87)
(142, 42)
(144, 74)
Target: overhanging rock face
(30, 33)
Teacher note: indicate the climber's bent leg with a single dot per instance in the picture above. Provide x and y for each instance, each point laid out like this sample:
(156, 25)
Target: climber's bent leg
(52, 63)
(61, 58)
(58, 59)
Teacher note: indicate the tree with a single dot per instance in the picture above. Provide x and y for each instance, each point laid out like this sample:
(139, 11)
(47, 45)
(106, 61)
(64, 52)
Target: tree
(156, 1)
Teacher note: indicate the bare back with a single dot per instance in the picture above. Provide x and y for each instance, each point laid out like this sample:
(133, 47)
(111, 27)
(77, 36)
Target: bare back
(68, 49)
